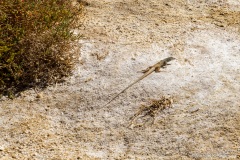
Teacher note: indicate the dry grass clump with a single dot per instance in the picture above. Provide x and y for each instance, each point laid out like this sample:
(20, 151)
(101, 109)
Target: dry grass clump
(147, 113)
(35, 42)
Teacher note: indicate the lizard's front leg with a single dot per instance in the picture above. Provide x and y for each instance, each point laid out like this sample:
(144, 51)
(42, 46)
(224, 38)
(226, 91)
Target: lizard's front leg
(165, 65)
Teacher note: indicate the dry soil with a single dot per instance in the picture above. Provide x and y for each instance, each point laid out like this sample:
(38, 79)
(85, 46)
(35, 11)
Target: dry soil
(120, 38)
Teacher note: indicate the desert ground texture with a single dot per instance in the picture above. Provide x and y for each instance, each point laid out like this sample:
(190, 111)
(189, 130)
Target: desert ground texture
(69, 121)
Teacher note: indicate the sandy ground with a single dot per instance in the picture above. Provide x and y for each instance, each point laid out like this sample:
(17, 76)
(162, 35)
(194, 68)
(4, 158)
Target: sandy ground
(120, 38)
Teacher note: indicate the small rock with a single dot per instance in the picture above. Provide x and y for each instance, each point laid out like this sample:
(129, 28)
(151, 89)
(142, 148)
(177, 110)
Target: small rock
(1, 148)
(193, 109)
(39, 95)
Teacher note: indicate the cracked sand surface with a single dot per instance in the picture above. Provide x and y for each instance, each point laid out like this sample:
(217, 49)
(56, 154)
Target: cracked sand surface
(121, 38)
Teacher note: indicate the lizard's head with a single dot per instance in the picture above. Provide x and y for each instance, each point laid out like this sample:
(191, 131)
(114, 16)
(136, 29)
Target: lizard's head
(170, 58)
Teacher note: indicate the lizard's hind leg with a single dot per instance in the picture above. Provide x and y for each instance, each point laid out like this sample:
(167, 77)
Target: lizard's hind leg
(146, 70)
(157, 69)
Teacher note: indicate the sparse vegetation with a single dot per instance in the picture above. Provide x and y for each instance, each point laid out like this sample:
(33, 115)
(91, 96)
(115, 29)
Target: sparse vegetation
(35, 42)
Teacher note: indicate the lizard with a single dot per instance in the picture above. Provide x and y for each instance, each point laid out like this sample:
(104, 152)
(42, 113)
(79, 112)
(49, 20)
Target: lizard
(156, 67)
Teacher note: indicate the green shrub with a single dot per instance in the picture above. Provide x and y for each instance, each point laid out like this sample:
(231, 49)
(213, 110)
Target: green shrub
(36, 40)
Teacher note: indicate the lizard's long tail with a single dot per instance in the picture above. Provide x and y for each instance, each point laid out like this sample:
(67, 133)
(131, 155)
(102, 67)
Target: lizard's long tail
(119, 94)
(139, 79)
